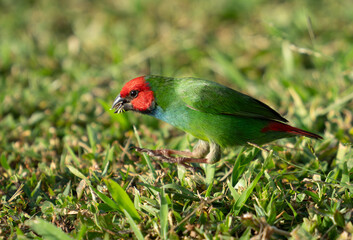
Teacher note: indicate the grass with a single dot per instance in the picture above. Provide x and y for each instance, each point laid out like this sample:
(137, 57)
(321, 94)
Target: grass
(67, 171)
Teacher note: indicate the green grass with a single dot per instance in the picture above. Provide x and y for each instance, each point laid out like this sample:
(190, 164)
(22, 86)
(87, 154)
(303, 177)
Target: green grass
(67, 171)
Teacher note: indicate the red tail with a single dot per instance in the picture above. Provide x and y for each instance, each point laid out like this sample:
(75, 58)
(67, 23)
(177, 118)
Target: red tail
(281, 127)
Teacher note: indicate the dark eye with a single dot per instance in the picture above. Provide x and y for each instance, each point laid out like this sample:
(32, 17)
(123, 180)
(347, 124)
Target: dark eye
(134, 93)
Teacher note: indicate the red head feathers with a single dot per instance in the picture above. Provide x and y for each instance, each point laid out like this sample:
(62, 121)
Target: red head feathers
(141, 93)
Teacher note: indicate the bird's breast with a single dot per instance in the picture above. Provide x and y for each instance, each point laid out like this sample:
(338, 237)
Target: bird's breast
(173, 116)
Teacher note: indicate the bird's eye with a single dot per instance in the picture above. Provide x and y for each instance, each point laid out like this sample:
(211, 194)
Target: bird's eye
(134, 93)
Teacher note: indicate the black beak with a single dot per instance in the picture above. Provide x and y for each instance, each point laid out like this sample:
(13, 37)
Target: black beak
(118, 104)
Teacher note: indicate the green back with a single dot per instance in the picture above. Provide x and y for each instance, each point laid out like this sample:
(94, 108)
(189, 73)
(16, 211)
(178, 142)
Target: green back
(209, 97)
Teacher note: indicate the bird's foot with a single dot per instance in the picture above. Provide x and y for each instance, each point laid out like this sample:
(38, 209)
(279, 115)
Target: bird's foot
(166, 155)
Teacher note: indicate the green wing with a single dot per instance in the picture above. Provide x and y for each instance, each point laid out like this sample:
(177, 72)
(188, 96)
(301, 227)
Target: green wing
(211, 97)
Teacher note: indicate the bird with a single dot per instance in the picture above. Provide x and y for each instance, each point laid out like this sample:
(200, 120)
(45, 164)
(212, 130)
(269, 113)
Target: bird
(218, 116)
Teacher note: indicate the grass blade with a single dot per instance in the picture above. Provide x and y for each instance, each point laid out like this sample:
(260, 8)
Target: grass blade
(148, 160)
(179, 188)
(133, 226)
(47, 230)
(246, 194)
(237, 173)
(76, 172)
(108, 159)
(210, 170)
(163, 214)
(4, 162)
(122, 199)
(225, 66)
(92, 138)
(106, 199)
(73, 155)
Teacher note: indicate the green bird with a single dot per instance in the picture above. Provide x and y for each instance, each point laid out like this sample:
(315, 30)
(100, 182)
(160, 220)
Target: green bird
(215, 114)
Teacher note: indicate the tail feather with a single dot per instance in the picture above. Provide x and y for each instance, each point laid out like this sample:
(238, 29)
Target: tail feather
(281, 127)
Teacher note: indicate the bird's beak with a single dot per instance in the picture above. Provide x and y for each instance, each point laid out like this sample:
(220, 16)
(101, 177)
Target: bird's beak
(118, 104)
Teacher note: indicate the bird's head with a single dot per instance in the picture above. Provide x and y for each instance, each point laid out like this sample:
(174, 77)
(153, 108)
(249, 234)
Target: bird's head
(136, 95)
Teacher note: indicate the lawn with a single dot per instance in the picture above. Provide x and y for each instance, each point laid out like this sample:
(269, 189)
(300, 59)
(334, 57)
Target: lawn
(67, 168)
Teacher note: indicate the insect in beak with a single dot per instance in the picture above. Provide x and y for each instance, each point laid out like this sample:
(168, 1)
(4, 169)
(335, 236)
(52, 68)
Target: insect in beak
(118, 104)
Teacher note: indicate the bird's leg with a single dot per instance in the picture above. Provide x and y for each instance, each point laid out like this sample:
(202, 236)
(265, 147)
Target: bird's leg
(214, 154)
(196, 156)
(200, 149)
(212, 157)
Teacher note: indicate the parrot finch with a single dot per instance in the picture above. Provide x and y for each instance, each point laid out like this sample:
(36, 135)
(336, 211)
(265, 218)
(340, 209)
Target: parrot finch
(217, 115)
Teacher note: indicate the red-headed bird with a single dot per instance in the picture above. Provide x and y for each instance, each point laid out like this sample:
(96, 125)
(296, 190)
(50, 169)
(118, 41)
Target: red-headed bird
(217, 115)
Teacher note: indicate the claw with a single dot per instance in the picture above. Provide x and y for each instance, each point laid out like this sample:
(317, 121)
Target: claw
(165, 155)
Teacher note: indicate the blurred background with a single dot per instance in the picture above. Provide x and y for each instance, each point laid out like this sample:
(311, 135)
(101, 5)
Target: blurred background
(63, 62)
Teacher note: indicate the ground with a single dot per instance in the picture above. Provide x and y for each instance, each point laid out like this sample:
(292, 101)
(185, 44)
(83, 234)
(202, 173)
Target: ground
(67, 170)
